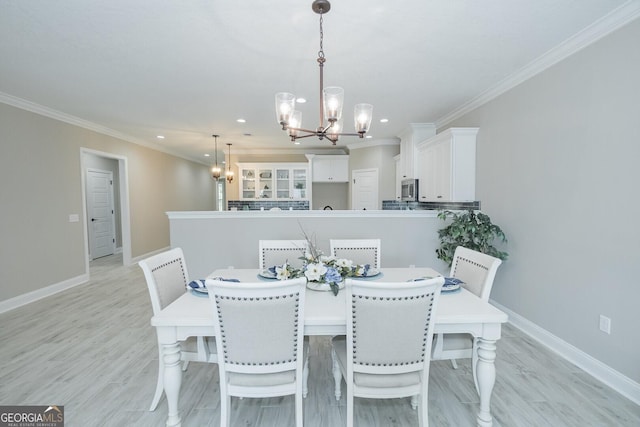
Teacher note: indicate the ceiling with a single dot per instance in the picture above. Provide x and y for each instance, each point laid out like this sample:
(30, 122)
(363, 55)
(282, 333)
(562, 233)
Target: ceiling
(188, 69)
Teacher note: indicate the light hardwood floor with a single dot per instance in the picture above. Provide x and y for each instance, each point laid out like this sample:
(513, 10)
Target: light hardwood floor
(92, 349)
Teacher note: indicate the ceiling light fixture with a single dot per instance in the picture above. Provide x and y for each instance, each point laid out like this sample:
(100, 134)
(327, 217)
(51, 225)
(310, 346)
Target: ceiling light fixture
(215, 170)
(229, 172)
(331, 99)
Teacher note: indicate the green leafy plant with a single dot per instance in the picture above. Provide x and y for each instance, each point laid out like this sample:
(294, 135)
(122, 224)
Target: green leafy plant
(471, 230)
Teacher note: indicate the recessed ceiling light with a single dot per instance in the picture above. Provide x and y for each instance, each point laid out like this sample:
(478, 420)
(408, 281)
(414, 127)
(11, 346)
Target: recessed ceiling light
(207, 154)
(241, 121)
(301, 100)
(368, 137)
(384, 120)
(297, 143)
(160, 136)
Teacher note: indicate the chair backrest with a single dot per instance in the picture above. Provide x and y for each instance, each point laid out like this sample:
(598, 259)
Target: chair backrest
(360, 251)
(276, 252)
(390, 325)
(166, 276)
(259, 326)
(476, 270)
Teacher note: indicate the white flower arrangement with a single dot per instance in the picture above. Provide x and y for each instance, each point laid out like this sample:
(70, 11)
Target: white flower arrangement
(319, 268)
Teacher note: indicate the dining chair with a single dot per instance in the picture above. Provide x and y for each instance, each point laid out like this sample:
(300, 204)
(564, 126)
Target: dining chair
(360, 251)
(260, 330)
(277, 252)
(386, 352)
(477, 272)
(167, 278)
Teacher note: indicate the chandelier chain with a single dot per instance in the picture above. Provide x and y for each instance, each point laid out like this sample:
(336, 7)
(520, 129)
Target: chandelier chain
(321, 51)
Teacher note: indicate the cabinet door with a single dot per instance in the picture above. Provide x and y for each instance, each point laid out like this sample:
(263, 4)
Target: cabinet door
(283, 184)
(265, 183)
(299, 183)
(442, 172)
(248, 183)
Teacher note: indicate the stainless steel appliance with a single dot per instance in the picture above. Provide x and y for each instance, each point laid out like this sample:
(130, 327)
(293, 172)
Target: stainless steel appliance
(409, 190)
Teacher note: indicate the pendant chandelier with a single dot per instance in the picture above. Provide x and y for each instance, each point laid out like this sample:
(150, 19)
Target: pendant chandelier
(215, 170)
(331, 99)
(229, 172)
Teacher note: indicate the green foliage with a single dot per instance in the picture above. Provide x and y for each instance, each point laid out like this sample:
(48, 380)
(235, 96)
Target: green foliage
(471, 230)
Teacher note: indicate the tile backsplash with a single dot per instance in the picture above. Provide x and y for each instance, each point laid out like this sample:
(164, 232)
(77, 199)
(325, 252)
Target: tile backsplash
(256, 205)
(398, 205)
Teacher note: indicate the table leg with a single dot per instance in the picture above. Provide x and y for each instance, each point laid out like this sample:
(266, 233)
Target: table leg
(172, 381)
(486, 372)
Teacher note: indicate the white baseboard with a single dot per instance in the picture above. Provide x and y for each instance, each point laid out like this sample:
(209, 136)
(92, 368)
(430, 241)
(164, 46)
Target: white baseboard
(614, 379)
(38, 294)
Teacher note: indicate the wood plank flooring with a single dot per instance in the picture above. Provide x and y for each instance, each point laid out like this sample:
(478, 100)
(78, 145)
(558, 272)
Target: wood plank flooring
(92, 349)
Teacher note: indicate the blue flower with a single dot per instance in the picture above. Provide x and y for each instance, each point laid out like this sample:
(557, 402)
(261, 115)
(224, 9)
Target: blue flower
(332, 275)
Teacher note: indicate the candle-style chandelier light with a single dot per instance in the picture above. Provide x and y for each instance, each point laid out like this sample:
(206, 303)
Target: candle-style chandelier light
(229, 172)
(215, 170)
(331, 99)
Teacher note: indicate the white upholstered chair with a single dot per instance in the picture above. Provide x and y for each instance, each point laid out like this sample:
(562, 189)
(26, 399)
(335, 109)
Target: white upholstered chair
(477, 271)
(259, 330)
(167, 279)
(276, 252)
(386, 352)
(360, 251)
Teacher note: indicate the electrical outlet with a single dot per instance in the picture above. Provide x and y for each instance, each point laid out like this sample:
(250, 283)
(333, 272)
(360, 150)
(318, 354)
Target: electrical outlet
(605, 324)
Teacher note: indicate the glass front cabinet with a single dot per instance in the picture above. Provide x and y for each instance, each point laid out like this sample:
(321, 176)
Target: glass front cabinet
(274, 181)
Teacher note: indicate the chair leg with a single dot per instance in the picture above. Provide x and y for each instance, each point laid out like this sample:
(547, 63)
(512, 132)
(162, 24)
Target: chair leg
(349, 406)
(159, 385)
(454, 363)
(423, 413)
(337, 375)
(299, 415)
(225, 408)
(185, 365)
(305, 377)
(414, 402)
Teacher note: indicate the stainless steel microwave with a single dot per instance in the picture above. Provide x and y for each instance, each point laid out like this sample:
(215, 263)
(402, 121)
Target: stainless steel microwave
(409, 190)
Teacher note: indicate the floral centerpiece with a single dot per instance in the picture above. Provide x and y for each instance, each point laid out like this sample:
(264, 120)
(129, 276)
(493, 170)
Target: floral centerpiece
(320, 270)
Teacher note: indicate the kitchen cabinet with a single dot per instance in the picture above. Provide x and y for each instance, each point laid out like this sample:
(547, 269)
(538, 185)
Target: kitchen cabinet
(330, 168)
(447, 166)
(409, 138)
(274, 181)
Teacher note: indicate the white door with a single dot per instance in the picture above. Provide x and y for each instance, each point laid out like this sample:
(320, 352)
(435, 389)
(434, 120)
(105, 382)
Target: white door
(101, 221)
(364, 189)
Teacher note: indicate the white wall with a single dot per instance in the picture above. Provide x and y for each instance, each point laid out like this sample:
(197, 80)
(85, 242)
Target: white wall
(557, 169)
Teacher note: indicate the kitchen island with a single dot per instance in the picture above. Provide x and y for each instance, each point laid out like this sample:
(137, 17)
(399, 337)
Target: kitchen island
(214, 240)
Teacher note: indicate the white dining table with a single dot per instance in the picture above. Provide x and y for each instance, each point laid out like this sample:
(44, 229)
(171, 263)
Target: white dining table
(325, 314)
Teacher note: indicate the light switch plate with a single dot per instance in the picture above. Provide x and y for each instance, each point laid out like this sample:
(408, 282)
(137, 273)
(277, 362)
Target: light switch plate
(74, 218)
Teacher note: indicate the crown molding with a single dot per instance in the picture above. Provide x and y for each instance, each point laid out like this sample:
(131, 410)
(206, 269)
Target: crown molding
(627, 12)
(373, 143)
(23, 104)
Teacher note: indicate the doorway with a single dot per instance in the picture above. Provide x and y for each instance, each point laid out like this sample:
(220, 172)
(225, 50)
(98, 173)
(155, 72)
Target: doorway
(364, 190)
(117, 165)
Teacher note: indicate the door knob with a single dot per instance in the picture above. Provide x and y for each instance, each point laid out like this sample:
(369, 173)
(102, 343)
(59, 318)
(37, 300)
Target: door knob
(93, 219)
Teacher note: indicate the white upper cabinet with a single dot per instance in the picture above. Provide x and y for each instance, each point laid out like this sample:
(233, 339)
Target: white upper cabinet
(409, 138)
(447, 166)
(274, 181)
(329, 168)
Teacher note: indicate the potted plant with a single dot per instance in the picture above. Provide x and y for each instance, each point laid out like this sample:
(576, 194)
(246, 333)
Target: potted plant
(471, 230)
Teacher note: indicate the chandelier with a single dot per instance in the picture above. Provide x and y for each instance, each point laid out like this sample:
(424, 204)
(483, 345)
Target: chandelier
(215, 170)
(229, 172)
(331, 99)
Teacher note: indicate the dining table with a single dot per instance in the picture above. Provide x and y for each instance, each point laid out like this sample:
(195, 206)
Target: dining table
(325, 314)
